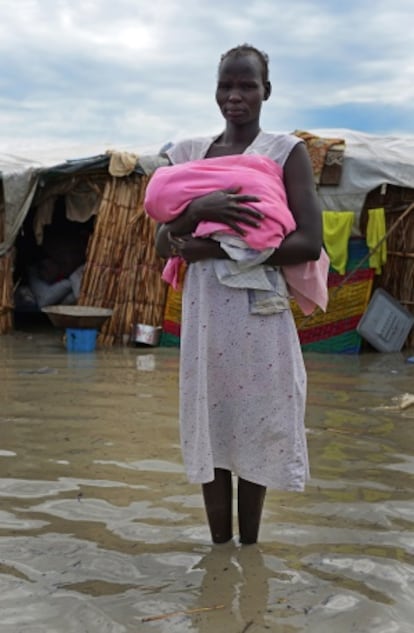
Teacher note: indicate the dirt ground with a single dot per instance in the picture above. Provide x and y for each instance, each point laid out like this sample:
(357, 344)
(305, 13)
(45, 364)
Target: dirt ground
(101, 533)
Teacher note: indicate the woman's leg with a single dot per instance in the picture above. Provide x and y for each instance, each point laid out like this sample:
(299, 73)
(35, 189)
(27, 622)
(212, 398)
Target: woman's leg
(250, 498)
(218, 500)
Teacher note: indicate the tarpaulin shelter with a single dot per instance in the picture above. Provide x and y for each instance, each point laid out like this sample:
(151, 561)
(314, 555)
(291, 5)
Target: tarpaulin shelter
(354, 172)
(100, 197)
(121, 270)
(378, 173)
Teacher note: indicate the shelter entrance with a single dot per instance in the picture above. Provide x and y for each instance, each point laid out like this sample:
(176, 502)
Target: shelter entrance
(51, 247)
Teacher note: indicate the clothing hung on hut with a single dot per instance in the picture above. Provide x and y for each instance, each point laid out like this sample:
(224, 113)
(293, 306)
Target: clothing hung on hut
(376, 242)
(337, 229)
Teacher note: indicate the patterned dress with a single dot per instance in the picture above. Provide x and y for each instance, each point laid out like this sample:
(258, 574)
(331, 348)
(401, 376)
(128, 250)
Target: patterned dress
(242, 376)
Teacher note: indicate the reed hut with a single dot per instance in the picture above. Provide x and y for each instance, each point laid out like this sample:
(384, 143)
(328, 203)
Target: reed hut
(90, 212)
(397, 276)
(378, 172)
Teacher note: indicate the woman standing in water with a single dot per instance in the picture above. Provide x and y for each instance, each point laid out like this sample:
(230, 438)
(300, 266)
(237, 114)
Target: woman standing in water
(242, 376)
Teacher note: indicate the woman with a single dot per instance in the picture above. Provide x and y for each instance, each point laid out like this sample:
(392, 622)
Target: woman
(242, 377)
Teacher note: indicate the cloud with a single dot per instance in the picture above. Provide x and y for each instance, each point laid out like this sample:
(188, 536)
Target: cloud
(98, 69)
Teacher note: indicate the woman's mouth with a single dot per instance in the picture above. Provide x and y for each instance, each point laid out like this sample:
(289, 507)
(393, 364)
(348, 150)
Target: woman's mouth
(234, 111)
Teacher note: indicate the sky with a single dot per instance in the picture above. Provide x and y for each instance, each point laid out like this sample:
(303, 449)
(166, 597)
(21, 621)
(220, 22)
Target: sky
(135, 73)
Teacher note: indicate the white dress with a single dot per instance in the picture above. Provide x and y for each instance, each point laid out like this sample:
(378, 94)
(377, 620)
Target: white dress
(242, 376)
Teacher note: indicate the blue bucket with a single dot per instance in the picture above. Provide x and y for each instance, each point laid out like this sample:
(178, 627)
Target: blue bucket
(81, 340)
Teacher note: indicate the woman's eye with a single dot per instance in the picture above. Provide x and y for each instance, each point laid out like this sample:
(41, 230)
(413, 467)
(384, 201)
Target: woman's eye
(243, 86)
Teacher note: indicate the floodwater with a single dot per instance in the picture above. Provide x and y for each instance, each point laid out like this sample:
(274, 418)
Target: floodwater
(101, 533)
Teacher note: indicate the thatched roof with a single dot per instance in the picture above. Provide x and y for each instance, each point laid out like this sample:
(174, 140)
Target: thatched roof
(21, 171)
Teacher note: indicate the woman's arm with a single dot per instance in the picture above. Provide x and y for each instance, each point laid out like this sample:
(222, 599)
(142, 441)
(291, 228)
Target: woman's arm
(305, 243)
(225, 206)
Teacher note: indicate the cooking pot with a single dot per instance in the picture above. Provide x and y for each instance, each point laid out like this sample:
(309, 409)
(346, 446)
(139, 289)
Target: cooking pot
(147, 334)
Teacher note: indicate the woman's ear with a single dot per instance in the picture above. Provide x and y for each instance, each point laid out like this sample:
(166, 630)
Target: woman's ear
(268, 90)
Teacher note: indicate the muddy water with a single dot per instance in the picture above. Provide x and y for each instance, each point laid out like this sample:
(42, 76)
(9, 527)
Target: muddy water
(99, 531)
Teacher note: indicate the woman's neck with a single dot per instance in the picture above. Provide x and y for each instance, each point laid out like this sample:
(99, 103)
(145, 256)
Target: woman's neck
(232, 141)
(235, 135)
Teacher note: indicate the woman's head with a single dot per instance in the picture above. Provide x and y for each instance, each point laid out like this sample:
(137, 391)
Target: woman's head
(247, 49)
(242, 84)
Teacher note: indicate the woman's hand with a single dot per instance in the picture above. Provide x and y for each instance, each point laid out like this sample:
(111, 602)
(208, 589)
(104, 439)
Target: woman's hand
(227, 207)
(194, 249)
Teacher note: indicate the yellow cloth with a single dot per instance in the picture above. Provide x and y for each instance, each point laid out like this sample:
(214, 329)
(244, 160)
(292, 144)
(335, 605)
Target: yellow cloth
(375, 233)
(337, 228)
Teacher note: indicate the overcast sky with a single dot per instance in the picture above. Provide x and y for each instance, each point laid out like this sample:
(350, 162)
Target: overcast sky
(142, 72)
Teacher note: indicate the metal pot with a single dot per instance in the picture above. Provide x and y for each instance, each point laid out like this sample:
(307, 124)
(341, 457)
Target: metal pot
(148, 334)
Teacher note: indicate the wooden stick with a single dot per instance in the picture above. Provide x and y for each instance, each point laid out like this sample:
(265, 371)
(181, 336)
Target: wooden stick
(400, 254)
(362, 261)
(151, 618)
(379, 243)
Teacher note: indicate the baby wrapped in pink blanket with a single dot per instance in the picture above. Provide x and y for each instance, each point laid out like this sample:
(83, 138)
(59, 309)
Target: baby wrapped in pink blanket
(172, 188)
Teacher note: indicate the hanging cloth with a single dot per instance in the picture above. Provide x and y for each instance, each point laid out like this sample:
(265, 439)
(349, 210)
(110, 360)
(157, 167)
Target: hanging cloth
(375, 233)
(337, 229)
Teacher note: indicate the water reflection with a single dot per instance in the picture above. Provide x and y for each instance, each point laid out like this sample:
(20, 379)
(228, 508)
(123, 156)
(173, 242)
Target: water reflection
(100, 532)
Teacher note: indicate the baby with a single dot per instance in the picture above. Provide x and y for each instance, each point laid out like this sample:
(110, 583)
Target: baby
(172, 188)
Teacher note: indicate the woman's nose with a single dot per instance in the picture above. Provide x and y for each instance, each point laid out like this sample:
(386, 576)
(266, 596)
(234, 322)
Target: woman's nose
(234, 95)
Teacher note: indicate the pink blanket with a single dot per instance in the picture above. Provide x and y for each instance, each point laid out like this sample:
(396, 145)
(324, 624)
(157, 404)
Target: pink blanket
(171, 189)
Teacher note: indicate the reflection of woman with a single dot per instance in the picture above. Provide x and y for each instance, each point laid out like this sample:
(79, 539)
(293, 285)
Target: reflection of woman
(238, 580)
(242, 378)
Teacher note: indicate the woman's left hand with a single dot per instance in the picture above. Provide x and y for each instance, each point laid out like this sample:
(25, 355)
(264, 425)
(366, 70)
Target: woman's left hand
(193, 249)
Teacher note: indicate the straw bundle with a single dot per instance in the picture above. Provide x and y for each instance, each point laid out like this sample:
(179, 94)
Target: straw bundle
(398, 274)
(123, 271)
(6, 281)
(6, 293)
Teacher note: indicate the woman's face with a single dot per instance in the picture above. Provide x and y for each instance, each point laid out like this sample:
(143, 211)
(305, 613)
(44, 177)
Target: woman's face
(241, 89)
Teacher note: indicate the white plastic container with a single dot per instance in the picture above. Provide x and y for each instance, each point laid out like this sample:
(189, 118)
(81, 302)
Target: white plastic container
(386, 323)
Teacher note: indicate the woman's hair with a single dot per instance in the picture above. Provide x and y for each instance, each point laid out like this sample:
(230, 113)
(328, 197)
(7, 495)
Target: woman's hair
(247, 49)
